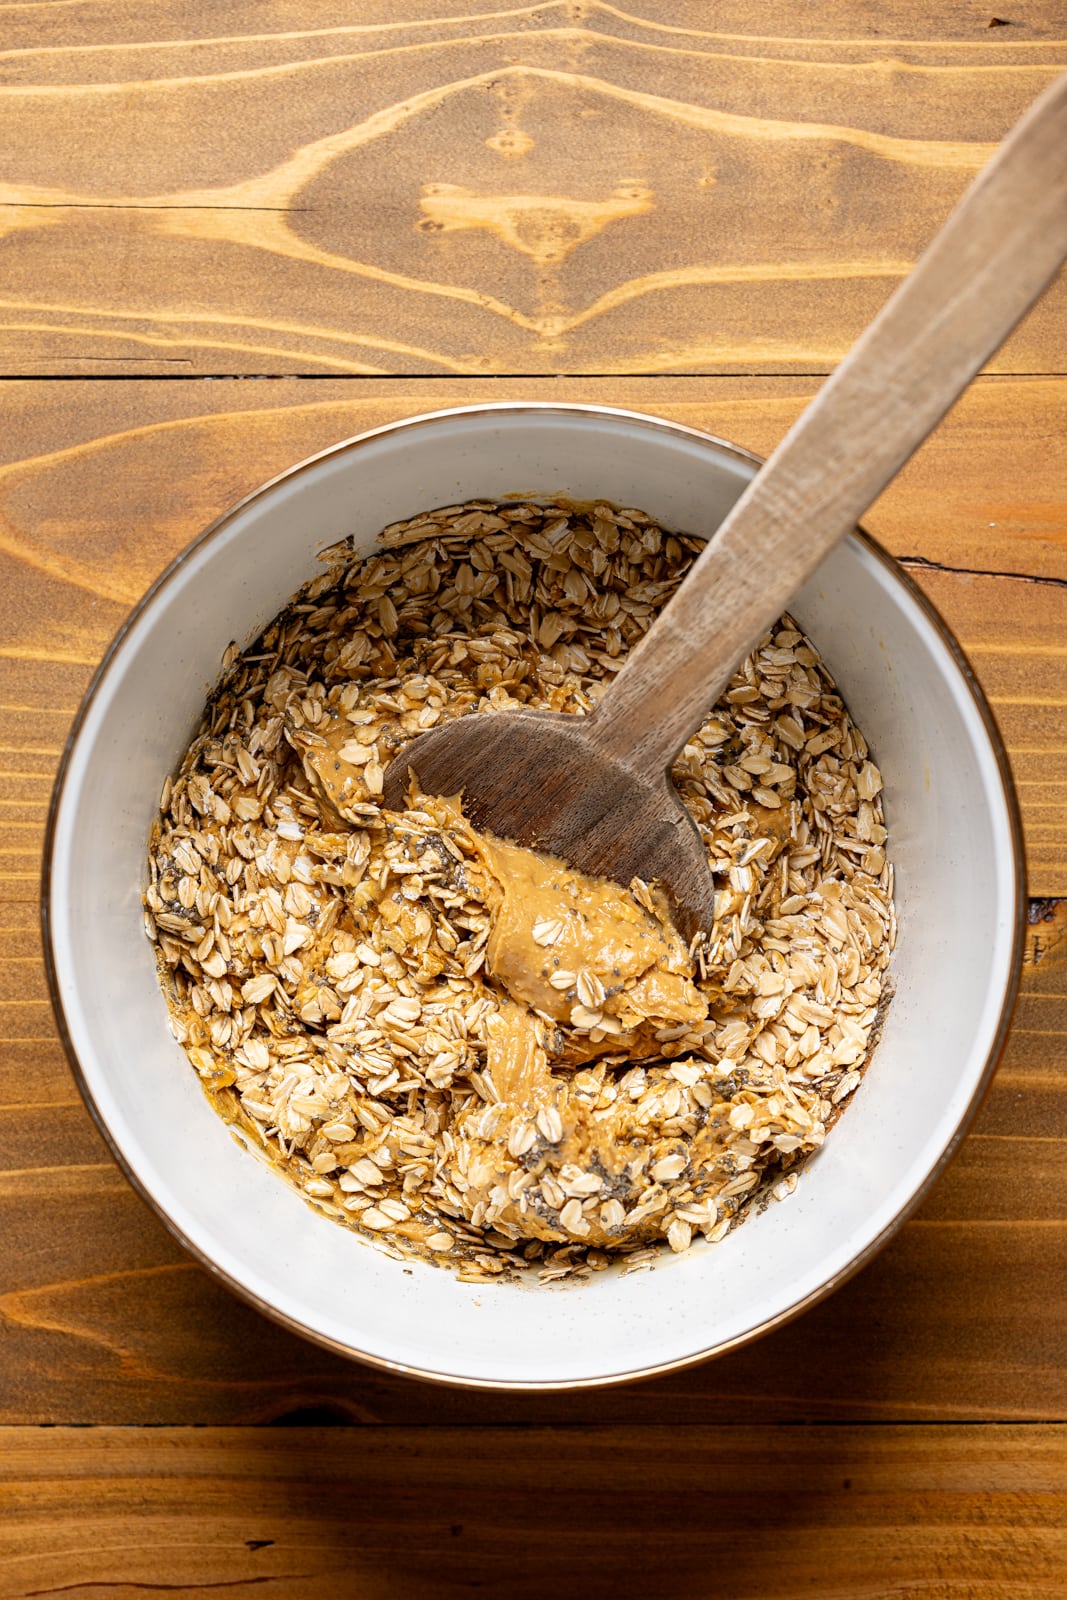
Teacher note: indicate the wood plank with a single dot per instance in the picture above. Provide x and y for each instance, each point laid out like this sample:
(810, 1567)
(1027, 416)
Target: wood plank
(532, 188)
(960, 1318)
(101, 484)
(742, 1512)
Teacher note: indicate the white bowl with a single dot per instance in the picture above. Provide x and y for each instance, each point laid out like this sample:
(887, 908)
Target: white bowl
(954, 837)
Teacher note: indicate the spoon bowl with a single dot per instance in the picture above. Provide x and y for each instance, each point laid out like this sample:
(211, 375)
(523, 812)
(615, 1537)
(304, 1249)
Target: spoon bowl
(547, 781)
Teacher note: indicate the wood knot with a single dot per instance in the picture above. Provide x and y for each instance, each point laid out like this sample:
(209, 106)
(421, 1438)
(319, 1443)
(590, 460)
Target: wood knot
(545, 227)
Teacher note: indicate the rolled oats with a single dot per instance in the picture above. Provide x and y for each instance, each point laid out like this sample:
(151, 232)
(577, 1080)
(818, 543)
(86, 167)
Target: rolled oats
(325, 961)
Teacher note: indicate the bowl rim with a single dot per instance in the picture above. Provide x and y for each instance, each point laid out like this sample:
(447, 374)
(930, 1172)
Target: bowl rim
(911, 1203)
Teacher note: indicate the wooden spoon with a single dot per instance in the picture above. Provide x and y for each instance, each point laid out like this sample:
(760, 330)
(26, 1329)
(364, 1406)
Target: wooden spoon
(596, 790)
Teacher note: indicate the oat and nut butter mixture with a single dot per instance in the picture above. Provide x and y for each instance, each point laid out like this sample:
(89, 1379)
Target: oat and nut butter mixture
(462, 1049)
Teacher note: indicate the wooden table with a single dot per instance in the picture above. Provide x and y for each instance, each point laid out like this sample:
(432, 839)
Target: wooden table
(231, 235)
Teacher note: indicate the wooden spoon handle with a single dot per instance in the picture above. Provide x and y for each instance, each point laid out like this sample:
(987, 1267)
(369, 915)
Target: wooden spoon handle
(996, 253)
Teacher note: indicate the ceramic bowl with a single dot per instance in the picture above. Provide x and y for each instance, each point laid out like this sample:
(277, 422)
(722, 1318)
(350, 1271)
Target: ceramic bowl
(954, 837)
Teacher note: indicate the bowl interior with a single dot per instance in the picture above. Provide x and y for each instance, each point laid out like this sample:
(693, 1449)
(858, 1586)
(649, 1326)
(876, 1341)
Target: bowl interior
(952, 838)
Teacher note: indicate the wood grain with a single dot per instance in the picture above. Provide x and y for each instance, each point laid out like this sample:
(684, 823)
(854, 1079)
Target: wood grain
(480, 189)
(946, 1513)
(414, 204)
